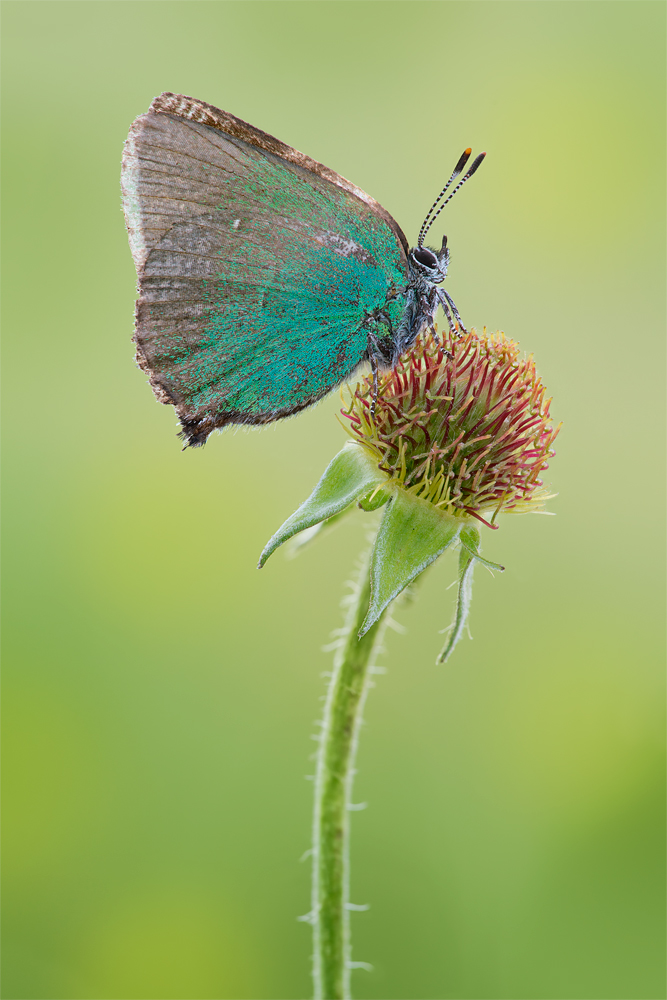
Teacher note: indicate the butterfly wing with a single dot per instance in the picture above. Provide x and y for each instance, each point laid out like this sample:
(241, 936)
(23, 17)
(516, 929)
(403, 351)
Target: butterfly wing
(258, 267)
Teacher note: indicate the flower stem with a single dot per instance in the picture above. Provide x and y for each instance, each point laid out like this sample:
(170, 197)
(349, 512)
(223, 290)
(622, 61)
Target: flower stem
(333, 786)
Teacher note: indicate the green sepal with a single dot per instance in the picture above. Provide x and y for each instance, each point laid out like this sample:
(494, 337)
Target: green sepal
(413, 533)
(305, 537)
(470, 538)
(351, 474)
(463, 599)
(373, 500)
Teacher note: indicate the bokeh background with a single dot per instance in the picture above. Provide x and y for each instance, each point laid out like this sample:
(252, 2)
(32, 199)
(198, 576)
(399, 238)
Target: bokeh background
(160, 693)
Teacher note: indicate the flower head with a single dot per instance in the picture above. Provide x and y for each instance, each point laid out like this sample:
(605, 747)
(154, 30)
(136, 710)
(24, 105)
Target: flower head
(463, 423)
(458, 430)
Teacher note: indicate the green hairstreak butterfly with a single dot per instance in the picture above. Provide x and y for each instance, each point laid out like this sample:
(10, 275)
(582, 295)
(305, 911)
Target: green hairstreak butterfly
(265, 279)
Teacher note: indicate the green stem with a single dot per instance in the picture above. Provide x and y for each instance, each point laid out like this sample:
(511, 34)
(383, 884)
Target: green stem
(330, 914)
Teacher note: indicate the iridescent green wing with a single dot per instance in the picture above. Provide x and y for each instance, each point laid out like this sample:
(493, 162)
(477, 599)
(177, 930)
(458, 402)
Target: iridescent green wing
(258, 268)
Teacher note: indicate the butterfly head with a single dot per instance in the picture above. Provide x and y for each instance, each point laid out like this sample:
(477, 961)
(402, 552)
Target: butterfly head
(430, 264)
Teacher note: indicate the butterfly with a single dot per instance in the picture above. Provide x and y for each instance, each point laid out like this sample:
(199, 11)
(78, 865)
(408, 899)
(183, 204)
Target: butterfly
(264, 278)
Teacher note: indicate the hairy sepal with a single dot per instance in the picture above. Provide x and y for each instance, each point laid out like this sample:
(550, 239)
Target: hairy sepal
(352, 474)
(470, 541)
(412, 535)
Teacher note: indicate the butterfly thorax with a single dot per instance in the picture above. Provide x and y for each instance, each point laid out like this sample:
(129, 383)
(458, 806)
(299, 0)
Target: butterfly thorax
(426, 270)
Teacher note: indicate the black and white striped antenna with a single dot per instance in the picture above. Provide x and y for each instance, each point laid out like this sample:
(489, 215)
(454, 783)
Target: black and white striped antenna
(432, 214)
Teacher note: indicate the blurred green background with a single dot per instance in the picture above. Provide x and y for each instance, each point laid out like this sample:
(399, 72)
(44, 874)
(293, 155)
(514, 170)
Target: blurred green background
(160, 693)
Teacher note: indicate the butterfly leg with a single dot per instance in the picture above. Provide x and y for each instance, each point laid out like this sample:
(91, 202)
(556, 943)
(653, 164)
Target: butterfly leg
(373, 349)
(429, 311)
(459, 322)
(445, 308)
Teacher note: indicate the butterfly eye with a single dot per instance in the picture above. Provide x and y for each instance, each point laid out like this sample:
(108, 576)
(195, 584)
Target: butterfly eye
(425, 257)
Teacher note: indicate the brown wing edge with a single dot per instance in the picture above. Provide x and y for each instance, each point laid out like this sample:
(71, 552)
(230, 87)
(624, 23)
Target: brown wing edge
(196, 429)
(196, 426)
(206, 114)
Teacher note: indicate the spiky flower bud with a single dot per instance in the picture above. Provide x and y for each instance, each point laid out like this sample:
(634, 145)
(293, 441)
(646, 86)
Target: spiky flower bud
(457, 433)
(462, 423)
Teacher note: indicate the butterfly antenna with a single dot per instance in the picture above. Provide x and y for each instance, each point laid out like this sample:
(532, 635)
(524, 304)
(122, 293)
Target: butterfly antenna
(465, 156)
(429, 220)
